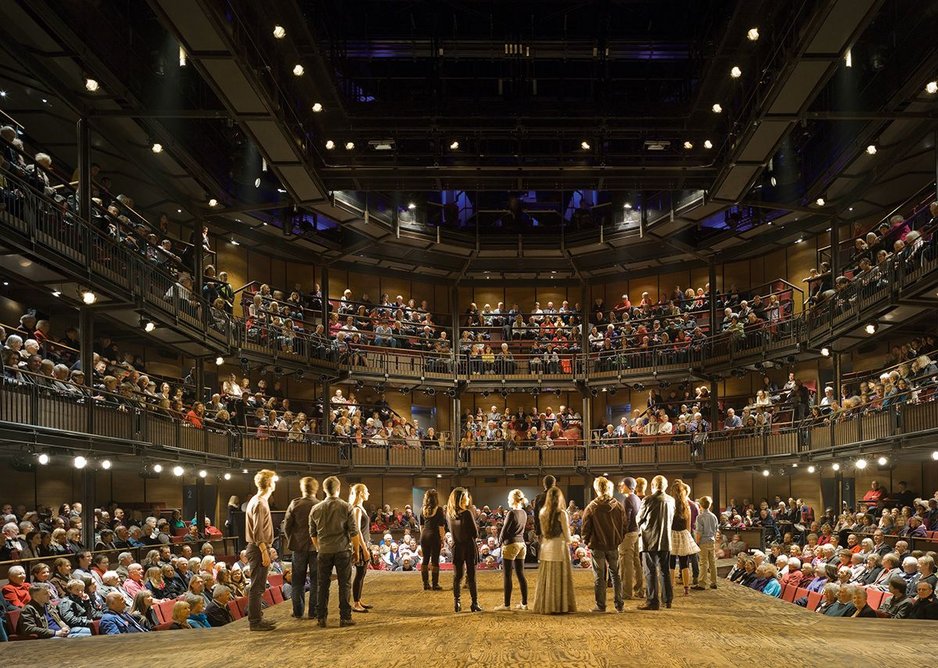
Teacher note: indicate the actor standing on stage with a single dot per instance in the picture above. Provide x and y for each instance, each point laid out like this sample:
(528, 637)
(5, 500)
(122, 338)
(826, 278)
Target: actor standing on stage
(548, 482)
(335, 537)
(654, 525)
(603, 529)
(296, 526)
(462, 526)
(357, 497)
(630, 564)
(432, 533)
(682, 543)
(514, 550)
(259, 534)
(554, 594)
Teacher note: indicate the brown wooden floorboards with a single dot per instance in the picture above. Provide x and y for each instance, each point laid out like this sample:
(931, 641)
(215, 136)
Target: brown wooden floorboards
(415, 629)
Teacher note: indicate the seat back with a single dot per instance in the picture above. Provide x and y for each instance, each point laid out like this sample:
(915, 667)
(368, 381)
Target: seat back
(886, 596)
(242, 605)
(789, 593)
(277, 593)
(874, 598)
(233, 609)
(268, 597)
(814, 600)
(164, 612)
(801, 592)
(275, 579)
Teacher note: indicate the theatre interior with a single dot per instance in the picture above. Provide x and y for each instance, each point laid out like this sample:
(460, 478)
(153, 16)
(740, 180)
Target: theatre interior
(483, 248)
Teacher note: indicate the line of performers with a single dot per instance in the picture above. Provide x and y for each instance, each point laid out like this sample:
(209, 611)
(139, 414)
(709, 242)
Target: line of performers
(332, 535)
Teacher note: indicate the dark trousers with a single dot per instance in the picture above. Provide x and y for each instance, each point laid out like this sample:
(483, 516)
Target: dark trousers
(258, 583)
(430, 547)
(518, 566)
(304, 566)
(464, 561)
(342, 563)
(358, 581)
(604, 563)
(657, 572)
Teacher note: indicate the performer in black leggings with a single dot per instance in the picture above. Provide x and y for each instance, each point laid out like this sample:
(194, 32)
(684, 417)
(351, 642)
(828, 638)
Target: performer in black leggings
(514, 549)
(432, 531)
(357, 497)
(462, 526)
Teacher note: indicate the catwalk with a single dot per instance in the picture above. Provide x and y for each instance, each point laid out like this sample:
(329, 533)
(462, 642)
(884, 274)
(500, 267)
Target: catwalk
(410, 627)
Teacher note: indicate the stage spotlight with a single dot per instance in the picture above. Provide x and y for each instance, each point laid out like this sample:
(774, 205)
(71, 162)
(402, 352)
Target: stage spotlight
(106, 464)
(708, 144)
(91, 85)
(882, 461)
(88, 297)
(349, 145)
(213, 202)
(330, 145)
(227, 476)
(585, 145)
(80, 462)
(812, 469)
(825, 352)
(934, 455)
(411, 206)
(157, 468)
(931, 87)
(753, 34)
(203, 473)
(280, 32)
(178, 471)
(317, 107)
(219, 360)
(157, 148)
(688, 145)
(736, 72)
(765, 473)
(820, 201)
(298, 70)
(871, 328)
(627, 205)
(454, 146)
(835, 466)
(717, 109)
(871, 149)
(43, 458)
(860, 464)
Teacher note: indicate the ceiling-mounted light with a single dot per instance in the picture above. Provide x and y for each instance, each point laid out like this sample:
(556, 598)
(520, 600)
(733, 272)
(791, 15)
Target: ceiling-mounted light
(688, 145)
(178, 471)
(708, 144)
(411, 206)
(213, 202)
(454, 145)
(860, 463)
(157, 148)
(91, 85)
(317, 107)
(80, 462)
(219, 360)
(835, 466)
(585, 145)
(106, 464)
(794, 465)
(88, 297)
(812, 468)
(235, 242)
(349, 145)
(42, 458)
(934, 455)
(227, 476)
(848, 58)
(257, 182)
(773, 181)
(799, 240)
(820, 201)
(882, 461)
(736, 72)
(203, 473)
(182, 56)
(717, 109)
(157, 468)
(825, 352)
(280, 32)
(330, 145)
(765, 473)
(263, 164)
(149, 326)
(298, 70)
(276, 478)
(931, 87)
(56, 293)
(871, 149)
(753, 34)
(627, 205)
(871, 328)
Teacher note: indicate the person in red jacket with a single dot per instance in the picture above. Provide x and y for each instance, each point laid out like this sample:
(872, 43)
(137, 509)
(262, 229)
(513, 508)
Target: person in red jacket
(16, 593)
(196, 415)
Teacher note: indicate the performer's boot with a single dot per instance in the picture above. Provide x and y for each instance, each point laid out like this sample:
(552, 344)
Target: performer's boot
(425, 574)
(435, 574)
(685, 580)
(475, 607)
(457, 605)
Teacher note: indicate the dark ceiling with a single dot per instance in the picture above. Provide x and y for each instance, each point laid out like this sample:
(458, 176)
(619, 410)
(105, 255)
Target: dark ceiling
(564, 122)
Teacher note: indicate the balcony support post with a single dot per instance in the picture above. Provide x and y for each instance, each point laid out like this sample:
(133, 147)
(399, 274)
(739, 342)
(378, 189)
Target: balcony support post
(87, 506)
(86, 352)
(84, 173)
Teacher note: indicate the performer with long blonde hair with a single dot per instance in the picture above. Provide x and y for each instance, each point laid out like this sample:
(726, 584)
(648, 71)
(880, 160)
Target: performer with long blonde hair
(462, 527)
(554, 594)
(513, 548)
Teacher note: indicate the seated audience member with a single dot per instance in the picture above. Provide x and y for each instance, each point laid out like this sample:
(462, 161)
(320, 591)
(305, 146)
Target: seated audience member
(16, 592)
(831, 594)
(181, 612)
(78, 609)
(900, 605)
(844, 606)
(926, 569)
(142, 610)
(772, 587)
(924, 605)
(40, 619)
(859, 602)
(134, 582)
(116, 620)
(197, 617)
(217, 611)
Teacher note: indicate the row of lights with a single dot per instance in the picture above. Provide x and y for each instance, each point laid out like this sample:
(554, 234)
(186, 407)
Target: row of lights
(81, 462)
(859, 463)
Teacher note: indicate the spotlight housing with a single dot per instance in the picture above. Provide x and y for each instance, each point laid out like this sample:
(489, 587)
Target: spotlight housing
(80, 462)
(298, 70)
(871, 149)
(860, 463)
(227, 476)
(203, 473)
(280, 32)
(157, 147)
(717, 108)
(765, 473)
(812, 469)
(213, 202)
(688, 145)
(330, 145)
(157, 468)
(736, 72)
(106, 464)
(835, 466)
(454, 146)
(42, 458)
(88, 297)
(178, 471)
(871, 328)
(349, 145)
(317, 107)
(708, 144)
(753, 35)
(820, 201)
(219, 360)
(931, 87)
(934, 455)
(91, 85)
(585, 145)
(883, 460)
(825, 352)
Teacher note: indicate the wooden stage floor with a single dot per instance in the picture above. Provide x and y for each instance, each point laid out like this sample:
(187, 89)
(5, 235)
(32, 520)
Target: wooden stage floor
(415, 629)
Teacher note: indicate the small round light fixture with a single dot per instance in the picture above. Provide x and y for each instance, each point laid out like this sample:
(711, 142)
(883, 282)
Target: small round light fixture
(753, 35)
(585, 145)
(883, 460)
(454, 145)
(860, 463)
(736, 72)
(106, 464)
(317, 107)
(871, 149)
(835, 466)
(157, 147)
(708, 144)
(871, 328)
(688, 145)
(91, 85)
(717, 108)
(812, 468)
(203, 473)
(825, 352)
(934, 455)
(227, 476)
(43, 458)
(298, 70)
(765, 473)
(157, 468)
(330, 145)
(213, 202)
(88, 297)
(280, 32)
(178, 471)
(80, 462)
(219, 360)
(931, 87)
(349, 146)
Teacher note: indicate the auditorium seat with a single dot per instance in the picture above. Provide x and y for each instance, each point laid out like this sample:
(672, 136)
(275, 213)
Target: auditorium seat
(242, 605)
(789, 593)
(268, 597)
(814, 600)
(874, 598)
(277, 593)
(13, 620)
(234, 610)
(165, 626)
(275, 580)
(164, 611)
(801, 592)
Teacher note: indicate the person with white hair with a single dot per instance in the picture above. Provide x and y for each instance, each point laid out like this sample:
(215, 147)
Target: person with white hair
(16, 592)
(910, 571)
(12, 545)
(654, 522)
(111, 583)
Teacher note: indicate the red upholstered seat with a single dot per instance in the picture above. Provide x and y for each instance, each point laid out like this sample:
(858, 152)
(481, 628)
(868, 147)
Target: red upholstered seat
(277, 593)
(789, 593)
(874, 598)
(275, 580)
(242, 605)
(233, 609)
(814, 600)
(164, 611)
(13, 620)
(268, 597)
(165, 626)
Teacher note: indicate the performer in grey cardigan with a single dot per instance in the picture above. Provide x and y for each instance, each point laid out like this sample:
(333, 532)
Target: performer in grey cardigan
(654, 525)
